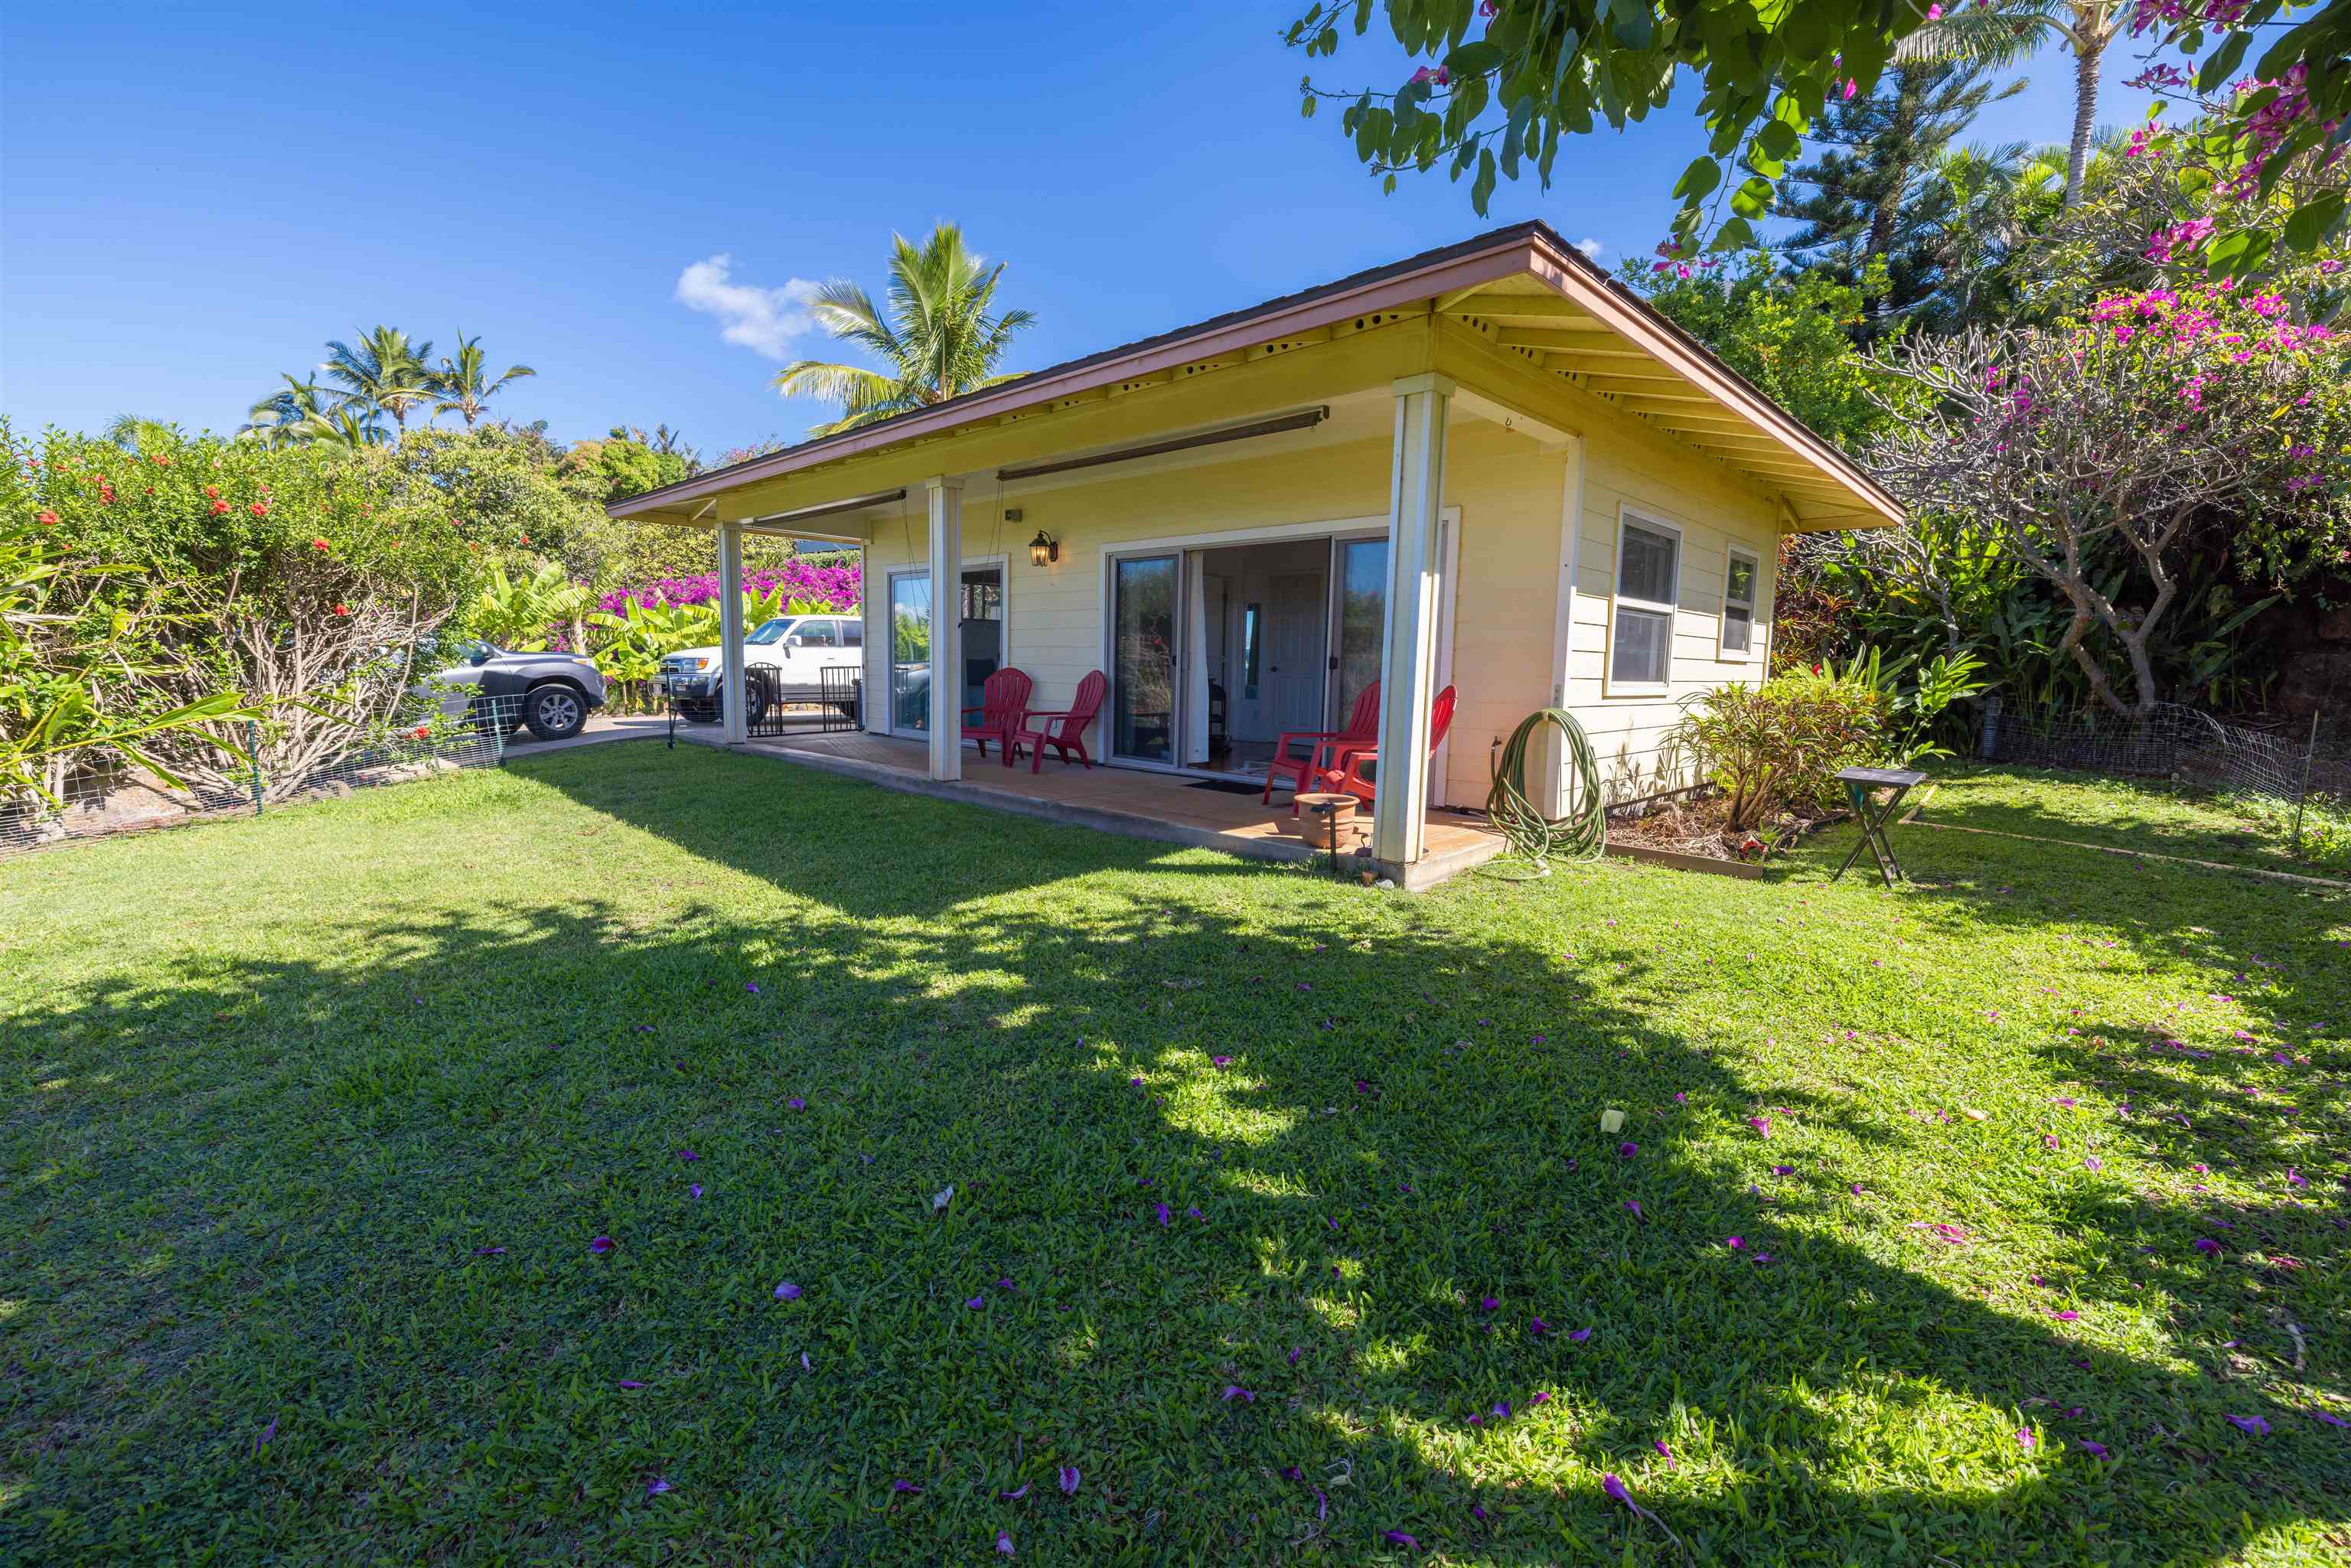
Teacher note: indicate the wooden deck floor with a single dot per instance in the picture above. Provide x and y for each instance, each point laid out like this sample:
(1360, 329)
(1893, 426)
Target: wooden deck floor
(1130, 800)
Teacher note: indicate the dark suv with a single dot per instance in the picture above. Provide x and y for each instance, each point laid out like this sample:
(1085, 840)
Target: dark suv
(551, 693)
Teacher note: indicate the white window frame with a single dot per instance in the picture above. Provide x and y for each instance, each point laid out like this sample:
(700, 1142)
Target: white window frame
(1722, 649)
(1618, 602)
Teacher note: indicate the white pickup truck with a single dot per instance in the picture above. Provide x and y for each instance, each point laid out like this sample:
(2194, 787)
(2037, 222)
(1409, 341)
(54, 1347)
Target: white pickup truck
(794, 650)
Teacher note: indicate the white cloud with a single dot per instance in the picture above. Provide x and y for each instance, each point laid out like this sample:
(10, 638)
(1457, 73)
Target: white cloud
(1590, 247)
(764, 320)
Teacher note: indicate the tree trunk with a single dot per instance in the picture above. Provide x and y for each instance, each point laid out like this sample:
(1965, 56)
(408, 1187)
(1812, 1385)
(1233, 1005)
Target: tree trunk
(2086, 117)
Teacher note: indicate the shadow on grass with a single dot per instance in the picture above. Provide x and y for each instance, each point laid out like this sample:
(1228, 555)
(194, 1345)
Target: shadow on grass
(264, 1186)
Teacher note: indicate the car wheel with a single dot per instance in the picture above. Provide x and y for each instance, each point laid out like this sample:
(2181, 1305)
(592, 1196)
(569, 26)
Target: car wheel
(554, 713)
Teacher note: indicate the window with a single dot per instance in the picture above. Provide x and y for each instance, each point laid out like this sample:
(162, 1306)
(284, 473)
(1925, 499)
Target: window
(1648, 576)
(1740, 582)
(852, 633)
(812, 634)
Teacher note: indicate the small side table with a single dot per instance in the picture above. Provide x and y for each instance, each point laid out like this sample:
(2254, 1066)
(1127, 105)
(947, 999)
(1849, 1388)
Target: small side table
(1860, 784)
(1331, 816)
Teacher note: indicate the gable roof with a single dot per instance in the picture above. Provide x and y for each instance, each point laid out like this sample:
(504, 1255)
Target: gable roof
(1730, 415)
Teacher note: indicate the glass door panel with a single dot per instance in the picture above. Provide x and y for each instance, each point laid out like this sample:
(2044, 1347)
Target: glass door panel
(1361, 586)
(983, 629)
(1142, 654)
(910, 651)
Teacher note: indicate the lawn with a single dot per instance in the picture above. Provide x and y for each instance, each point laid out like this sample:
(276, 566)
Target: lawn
(2140, 816)
(1997, 1219)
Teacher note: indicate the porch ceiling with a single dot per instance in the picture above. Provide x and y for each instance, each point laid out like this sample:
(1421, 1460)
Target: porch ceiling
(1519, 307)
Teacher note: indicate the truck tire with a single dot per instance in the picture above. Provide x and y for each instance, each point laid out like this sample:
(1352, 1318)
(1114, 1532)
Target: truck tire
(555, 710)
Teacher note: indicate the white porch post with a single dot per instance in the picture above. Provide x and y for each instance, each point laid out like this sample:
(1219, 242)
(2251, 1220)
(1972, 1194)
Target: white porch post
(946, 499)
(1408, 646)
(730, 632)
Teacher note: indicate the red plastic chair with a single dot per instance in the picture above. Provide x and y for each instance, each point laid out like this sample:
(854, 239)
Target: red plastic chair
(1003, 703)
(1349, 778)
(1303, 772)
(1065, 731)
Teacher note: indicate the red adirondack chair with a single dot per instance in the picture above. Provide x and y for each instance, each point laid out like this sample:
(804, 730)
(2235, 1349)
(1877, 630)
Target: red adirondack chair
(1349, 778)
(1003, 703)
(1305, 772)
(1065, 731)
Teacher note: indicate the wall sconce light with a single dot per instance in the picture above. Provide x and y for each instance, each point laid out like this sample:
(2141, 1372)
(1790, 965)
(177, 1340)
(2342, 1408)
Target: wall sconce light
(1043, 549)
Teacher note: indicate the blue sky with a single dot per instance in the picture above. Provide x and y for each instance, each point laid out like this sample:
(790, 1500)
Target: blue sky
(192, 200)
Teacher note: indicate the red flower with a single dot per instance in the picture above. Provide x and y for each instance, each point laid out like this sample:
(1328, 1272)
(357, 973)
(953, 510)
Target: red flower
(423, 730)
(318, 545)
(213, 491)
(159, 461)
(261, 508)
(106, 495)
(342, 610)
(218, 508)
(47, 518)
(526, 539)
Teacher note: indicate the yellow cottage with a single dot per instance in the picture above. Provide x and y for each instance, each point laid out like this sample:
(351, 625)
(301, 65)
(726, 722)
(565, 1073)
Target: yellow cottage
(1490, 467)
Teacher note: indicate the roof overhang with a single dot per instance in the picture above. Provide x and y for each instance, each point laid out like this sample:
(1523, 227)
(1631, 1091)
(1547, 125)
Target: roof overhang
(1527, 293)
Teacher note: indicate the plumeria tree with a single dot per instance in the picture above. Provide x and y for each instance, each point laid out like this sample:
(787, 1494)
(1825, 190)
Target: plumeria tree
(2158, 415)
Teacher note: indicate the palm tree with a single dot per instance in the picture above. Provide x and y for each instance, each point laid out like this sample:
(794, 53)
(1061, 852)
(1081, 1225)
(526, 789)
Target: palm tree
(273, 419)
(463, 382)
(2002, 32)
(938, 342)
(137, 433)
(385, 372)
(348, 424)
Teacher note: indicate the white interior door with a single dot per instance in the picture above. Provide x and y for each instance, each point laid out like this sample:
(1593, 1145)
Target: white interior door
(1294, 657)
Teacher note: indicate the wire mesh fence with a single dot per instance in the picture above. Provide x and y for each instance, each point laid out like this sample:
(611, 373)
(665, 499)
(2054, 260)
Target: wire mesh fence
(104, 800)
(2173, 742)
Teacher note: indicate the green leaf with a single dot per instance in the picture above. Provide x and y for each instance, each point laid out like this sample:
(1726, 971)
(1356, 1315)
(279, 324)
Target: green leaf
(1634, 23)
(1753, 197)
(1701, 177)
(1473, 59)
(1482, 189)
(2313, 221)
(2223, 61)
(1736, 234)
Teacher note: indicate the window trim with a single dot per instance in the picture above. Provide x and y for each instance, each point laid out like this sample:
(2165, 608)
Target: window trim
(1619, 600)
(1723, 651)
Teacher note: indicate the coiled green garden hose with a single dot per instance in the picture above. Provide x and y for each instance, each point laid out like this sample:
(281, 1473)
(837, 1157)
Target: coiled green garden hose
(1582, 833)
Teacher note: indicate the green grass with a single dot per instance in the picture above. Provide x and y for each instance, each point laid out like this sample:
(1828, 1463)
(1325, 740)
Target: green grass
(273, 1087)
(2140, 815)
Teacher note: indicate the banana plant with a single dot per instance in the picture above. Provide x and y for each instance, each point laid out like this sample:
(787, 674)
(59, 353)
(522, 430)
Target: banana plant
(517, 614)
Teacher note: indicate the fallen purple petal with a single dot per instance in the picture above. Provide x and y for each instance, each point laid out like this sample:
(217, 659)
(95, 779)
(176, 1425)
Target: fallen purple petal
(1003, 1544)
(2095, 1450)
(1015, 1495)
(2026, 1439)
(489, 1251)
(788, 1292)
(1070, 1479)
(2252, 1424)
(1398, 1538)
(601, 1245)
(1627, 1151)
(628, 1383)
(695, 1187)
(656, 1486)
(904, 1486)
(2207, 1245)
(1579, 1335)
(1235, 1391)
(687, 1155)
(796, 1104)
(977, 1302)
(1659, 1443)
(1615, 1489)
(268, 1436)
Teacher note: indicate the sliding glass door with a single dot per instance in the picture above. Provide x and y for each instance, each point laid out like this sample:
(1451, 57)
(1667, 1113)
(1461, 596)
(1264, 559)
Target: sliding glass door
(910, 651)
(1145, 595)
(1359, 614)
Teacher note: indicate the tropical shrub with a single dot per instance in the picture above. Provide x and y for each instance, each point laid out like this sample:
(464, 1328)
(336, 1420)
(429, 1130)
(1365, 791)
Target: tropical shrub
(1767, 746)
(70, 632)
(838, 589)
(305, 580)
